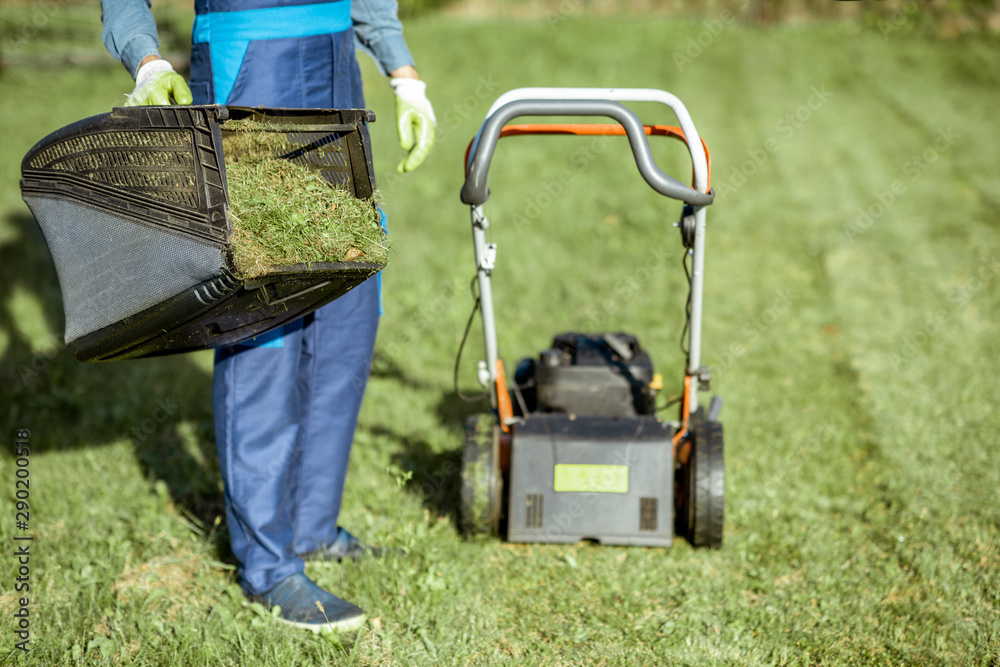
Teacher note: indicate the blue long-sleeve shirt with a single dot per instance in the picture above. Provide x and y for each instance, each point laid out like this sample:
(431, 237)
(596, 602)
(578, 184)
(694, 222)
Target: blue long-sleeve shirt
(130, 32)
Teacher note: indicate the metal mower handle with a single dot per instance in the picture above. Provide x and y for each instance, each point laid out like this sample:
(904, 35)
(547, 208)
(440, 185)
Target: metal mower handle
(475, 192)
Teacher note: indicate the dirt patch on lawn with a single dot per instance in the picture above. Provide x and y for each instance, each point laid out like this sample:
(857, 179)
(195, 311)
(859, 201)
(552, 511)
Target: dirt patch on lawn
(174, 583)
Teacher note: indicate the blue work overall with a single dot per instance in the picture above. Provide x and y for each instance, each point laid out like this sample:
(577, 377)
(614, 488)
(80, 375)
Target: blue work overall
(286, 403)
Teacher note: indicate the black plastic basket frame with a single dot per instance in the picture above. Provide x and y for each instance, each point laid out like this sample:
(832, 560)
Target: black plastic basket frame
(163, 169)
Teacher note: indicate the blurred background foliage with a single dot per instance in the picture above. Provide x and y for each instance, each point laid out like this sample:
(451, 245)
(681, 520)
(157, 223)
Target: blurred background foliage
(77, 29)
(948, 18)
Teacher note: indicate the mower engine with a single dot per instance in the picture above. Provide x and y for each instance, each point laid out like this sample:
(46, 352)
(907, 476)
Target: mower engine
(590, 461)
(606, 375)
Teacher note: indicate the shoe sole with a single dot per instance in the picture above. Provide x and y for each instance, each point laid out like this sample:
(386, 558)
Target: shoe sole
(348, 625)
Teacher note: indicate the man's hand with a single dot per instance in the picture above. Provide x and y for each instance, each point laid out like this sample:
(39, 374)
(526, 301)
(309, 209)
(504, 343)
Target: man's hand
(415, 119)
(156, 83)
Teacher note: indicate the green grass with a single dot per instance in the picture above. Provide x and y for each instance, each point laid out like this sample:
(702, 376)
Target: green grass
(284, 213)
(857, 359)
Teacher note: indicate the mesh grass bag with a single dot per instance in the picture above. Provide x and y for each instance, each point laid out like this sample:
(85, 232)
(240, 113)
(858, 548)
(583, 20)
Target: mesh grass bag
(183, 228)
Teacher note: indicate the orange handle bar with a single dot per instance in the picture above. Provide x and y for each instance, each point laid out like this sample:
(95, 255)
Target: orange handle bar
(597, 130)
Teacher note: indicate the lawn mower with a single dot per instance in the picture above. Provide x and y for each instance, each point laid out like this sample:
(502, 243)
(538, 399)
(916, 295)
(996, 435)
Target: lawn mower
(573, 449)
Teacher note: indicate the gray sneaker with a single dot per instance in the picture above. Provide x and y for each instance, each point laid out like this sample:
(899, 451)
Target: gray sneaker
(305, 605)
(344, 546)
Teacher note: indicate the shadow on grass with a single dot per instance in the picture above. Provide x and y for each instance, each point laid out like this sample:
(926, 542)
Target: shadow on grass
(437, 475)
(163, 405)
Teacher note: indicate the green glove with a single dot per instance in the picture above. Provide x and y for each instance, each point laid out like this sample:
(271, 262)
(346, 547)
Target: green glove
(156, 83)
(415, 121)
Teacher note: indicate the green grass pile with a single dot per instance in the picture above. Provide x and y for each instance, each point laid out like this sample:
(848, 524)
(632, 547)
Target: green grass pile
(284, 213)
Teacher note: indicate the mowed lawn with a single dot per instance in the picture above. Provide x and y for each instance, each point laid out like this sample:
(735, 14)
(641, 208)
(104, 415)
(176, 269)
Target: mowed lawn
(851, 315)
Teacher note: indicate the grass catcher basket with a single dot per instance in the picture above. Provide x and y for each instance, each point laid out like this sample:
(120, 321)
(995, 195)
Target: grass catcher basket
(135, 209)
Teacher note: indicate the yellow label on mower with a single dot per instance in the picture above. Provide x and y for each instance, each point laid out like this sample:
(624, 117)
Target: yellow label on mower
(587, 478)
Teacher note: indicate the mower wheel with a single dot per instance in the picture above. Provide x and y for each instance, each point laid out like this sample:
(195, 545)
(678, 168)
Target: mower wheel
(482, 482)
(701, 487)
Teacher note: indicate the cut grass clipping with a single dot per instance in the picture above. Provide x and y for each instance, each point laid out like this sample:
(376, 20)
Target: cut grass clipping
(283, 213)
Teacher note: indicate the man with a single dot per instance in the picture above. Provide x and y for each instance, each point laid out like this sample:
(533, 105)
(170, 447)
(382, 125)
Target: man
(286, 403)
